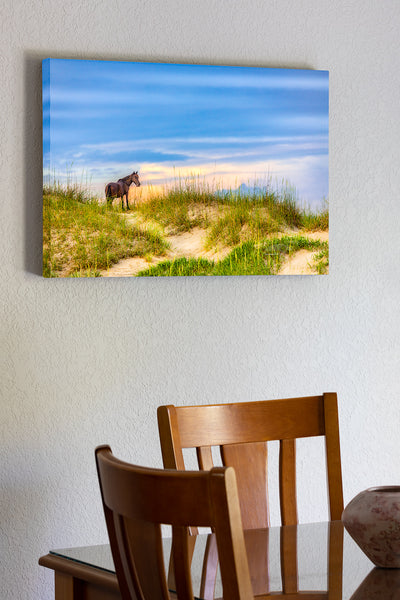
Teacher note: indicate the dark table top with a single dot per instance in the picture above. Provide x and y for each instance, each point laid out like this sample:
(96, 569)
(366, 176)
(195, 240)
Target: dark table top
(316, 557)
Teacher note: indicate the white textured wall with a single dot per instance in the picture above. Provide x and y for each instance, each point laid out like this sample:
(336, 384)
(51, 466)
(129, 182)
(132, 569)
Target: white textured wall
(88, 361)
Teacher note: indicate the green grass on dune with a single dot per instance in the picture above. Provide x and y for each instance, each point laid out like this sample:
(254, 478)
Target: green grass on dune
(181, 208)
(321, 260)
(249, 258)
(81, 237)
(231, 217)
(318, 221)
(241, 223)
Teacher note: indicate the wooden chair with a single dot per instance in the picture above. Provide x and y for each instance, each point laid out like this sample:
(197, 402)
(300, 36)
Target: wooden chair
(242, 431)
(138, 500)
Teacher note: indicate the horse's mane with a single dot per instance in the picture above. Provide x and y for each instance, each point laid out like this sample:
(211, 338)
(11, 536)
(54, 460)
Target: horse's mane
(127, 177)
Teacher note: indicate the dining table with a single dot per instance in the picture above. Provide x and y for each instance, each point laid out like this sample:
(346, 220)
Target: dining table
(309, 562)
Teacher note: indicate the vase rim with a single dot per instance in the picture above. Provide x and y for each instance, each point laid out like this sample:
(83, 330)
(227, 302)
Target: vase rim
(395, 489)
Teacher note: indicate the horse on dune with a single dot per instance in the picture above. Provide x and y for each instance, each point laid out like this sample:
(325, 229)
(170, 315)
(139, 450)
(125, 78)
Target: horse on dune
(120, 188)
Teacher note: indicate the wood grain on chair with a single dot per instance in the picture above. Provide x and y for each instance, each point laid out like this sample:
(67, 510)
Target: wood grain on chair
(242, 431)
(137, 500)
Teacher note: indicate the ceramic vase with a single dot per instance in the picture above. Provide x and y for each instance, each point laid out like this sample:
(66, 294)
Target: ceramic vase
(372, 519)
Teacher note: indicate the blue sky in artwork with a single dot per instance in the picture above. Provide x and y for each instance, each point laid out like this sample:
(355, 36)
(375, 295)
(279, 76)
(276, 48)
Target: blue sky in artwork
(101, 120)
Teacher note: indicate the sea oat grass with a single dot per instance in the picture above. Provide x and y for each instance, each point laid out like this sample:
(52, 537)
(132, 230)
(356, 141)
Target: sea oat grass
(83, 238)
(316, 221)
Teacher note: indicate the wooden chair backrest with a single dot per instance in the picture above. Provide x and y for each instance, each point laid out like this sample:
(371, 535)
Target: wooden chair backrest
(242, 431)
(137, 500)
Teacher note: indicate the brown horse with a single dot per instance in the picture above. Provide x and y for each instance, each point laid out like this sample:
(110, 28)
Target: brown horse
(120, 188)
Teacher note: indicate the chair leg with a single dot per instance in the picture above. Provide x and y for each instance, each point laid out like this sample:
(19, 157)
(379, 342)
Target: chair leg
(171, 570)
(210, 567)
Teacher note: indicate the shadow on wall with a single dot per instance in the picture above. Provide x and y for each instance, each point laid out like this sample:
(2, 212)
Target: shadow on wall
(32, 162)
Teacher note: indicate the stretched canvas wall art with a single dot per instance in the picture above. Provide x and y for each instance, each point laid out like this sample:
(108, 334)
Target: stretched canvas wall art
(157, 170)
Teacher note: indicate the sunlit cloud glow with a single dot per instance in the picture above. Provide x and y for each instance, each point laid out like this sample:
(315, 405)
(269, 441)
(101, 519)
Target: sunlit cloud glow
(229, 125)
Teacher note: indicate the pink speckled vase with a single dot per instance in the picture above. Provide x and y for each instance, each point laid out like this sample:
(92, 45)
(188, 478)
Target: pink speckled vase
(372, 519)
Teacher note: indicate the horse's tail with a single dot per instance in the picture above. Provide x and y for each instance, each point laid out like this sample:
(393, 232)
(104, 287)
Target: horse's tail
(107, 190)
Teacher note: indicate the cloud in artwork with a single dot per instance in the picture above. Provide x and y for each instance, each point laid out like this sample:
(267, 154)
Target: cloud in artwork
(103, 119)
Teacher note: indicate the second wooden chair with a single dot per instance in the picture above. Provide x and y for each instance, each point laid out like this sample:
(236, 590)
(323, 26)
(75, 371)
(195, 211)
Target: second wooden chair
(242, 431)
(138, 500)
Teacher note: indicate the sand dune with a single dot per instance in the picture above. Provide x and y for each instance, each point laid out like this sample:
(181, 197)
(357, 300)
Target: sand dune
(189, 244)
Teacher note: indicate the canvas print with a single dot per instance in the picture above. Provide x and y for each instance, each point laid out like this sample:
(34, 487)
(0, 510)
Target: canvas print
(155, 170)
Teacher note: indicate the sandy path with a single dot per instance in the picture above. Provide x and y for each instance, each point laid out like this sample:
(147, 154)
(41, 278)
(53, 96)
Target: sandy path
(318, 235)
(189, 244)
(128, 267)
(298, 264)
(301, 262)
